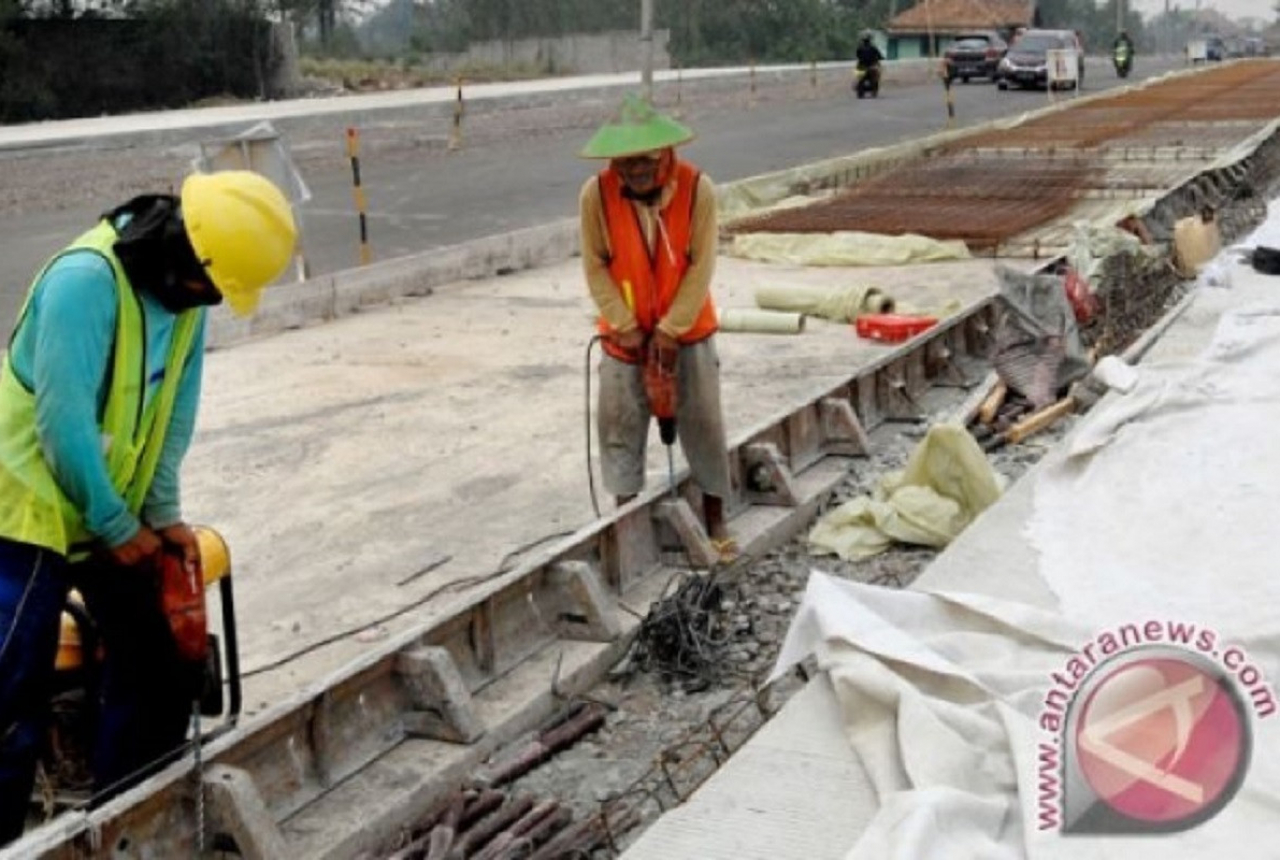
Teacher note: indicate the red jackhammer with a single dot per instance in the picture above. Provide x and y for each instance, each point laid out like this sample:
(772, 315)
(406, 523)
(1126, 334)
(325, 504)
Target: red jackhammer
(660, 388)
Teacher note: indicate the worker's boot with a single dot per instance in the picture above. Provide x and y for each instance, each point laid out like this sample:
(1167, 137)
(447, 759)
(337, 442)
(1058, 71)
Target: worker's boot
(717, 530)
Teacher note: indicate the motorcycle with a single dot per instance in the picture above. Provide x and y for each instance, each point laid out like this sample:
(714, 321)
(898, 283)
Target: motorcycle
(1123, 59)
(866, 81)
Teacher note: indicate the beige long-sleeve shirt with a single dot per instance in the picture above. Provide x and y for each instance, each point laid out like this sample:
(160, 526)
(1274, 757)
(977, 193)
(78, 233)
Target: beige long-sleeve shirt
(703, 235)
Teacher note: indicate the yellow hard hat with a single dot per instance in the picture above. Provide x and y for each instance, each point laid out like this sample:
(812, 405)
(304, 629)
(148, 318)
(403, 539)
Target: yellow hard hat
(241, 228)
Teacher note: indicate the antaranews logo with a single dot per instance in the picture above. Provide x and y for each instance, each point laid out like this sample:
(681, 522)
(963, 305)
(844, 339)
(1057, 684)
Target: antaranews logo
(1147, 730)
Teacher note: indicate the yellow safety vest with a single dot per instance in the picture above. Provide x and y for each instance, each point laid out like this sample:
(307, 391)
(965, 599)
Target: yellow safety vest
(33, 509)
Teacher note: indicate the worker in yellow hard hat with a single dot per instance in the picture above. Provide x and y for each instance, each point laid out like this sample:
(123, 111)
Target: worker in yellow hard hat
(98, 397)
(649, 233)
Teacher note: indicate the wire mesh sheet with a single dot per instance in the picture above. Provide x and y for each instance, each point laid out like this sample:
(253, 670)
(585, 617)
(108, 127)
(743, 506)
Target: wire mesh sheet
(981, 201)
(1241, 91)
(989, 188)
(1188, 135)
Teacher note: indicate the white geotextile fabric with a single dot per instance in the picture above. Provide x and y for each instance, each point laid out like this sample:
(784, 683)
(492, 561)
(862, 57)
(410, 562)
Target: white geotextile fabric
(1196, 519)
(940, 695)
(1164, 508)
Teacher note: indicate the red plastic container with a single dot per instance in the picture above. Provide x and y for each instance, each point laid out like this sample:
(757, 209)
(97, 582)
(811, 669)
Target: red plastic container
(892, 328)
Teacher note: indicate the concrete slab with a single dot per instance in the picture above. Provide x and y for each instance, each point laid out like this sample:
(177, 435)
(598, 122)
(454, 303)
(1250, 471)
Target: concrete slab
(993, 557)
(448, 432)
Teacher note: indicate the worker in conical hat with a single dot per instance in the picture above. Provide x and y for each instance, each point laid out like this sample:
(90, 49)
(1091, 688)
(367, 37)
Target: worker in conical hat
(649, 232)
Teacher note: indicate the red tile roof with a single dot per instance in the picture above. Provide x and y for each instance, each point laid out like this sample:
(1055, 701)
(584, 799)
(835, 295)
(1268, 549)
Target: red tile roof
(949, 16)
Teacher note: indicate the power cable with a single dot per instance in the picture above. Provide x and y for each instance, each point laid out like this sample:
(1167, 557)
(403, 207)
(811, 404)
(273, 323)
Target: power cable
(455, 585)
(591, 479)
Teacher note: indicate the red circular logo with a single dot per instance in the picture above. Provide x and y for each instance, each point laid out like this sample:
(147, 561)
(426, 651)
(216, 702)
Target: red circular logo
(1160, 739)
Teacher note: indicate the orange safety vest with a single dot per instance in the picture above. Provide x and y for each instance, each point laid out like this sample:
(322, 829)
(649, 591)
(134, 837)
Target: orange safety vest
(649, 281)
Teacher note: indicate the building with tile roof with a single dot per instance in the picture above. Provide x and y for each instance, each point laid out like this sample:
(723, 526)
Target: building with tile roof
(929, 26)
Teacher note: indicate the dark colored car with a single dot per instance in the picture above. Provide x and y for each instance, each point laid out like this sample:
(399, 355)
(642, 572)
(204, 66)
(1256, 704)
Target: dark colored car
(1215, 48)
(1026, 63)
(974, 55)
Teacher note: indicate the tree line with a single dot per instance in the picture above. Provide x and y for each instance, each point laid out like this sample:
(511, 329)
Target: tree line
(62, 59)
(71, 58)
(703, 32)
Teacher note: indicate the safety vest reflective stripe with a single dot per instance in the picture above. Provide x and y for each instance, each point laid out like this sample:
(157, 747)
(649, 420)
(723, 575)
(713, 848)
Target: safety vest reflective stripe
(33, 509)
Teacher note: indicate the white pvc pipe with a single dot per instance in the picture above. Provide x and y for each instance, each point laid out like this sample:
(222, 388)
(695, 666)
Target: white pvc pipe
(753, 321)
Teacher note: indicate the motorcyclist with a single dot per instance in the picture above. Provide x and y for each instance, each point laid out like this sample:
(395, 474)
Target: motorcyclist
(1122, 52)
(868, 54)
(868, 64)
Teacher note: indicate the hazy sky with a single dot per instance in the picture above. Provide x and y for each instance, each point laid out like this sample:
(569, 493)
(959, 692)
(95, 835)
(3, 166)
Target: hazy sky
(1231, 8)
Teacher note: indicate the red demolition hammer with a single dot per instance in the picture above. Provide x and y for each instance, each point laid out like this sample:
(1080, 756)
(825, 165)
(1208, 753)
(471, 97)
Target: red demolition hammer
(660, 388)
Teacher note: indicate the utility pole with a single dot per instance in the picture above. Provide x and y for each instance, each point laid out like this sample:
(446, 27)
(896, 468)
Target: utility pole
(1119, 15)
(646, 47)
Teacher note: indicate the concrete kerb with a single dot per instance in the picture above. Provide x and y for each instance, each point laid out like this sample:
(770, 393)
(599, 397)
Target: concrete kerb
(328, 297)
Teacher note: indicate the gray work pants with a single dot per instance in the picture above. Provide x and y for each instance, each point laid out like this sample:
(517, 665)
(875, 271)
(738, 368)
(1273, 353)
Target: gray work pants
(622, 421)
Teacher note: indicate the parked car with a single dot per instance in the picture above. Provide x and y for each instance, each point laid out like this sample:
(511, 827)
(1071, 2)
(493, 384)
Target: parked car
(974, 55)
(1215, 49)
(1026, 63)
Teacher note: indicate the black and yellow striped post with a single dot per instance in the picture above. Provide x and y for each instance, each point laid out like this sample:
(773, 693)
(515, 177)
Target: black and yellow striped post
(353, 152)
(455, 134)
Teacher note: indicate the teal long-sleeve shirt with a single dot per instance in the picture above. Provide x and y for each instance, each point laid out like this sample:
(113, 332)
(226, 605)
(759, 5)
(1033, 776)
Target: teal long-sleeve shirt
(62, 351)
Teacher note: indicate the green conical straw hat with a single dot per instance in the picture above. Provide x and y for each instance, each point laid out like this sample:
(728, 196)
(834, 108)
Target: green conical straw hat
(636, 128)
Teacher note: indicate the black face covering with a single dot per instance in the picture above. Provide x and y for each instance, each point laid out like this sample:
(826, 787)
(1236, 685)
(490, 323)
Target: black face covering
(648, 198)
(157, 256)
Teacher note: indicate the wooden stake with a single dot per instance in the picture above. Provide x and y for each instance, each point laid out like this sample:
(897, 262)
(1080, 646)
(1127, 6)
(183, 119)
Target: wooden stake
(992, 402)
(1037, 421)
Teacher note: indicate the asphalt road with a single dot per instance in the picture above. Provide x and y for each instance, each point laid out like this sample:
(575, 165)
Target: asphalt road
(436, 200)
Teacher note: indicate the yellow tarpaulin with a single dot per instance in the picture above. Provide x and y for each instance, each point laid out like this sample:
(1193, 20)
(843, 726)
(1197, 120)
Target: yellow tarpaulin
(946, 483)
(845, 248)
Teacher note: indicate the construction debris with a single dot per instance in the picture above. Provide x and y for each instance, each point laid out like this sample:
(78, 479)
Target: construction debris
(1038, 348)
(492, 826)
(683, 638)
(585, 719)
(1031, 424)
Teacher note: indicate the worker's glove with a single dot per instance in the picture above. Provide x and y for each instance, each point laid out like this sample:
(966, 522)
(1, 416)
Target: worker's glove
(665, 350)
(137, 550)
